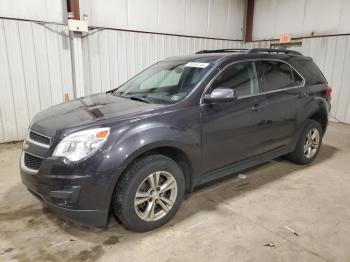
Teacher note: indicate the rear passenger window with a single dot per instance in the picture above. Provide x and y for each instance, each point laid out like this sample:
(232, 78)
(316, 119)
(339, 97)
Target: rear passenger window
(239, 76)
(275, 75)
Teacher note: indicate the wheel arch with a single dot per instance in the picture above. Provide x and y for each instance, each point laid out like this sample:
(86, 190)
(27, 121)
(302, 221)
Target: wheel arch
(322, 118)
(173, 152)
(317, 108)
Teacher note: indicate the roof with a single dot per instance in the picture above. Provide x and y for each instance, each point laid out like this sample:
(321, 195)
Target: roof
(251, 51)
(213, 56)
(203, 58)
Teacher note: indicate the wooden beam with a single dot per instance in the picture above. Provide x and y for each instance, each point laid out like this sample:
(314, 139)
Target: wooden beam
(248, 37)
(73, 7)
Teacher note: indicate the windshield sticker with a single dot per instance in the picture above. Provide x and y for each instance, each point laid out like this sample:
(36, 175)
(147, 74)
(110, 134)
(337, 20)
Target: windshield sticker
(175, 97)
(196, 64)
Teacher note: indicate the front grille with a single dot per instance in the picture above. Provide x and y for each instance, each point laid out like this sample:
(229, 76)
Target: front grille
(39, 138)
(32, 162)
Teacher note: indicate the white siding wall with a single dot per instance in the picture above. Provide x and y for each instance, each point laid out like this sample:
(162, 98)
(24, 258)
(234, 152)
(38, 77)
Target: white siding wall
(300, 18)
(332, 55)
(35, 72)
(35, 59)
(38, 10)
(112, 56)
(206, 18)
(36, 67)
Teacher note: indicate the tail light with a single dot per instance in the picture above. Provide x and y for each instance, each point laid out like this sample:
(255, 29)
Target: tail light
(329, 92)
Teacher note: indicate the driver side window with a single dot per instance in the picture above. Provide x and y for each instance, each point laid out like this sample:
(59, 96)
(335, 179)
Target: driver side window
(239, 76)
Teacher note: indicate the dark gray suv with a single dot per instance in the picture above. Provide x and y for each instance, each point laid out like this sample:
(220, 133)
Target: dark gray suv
(136, 150)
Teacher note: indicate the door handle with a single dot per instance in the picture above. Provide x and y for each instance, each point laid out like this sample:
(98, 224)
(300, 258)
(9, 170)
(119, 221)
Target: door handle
(256, 107)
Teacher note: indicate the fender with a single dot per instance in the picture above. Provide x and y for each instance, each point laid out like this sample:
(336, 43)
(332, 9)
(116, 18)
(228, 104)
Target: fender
(138, 137)
(316, 104)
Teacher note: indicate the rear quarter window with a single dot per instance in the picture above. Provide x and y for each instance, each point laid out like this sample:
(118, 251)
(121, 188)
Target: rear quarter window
(311, 72)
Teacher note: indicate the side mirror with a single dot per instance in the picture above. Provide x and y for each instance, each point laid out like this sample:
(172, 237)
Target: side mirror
(221, 95)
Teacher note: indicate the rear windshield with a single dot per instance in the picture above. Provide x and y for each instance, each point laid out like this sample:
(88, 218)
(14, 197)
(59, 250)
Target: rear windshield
(312, 73)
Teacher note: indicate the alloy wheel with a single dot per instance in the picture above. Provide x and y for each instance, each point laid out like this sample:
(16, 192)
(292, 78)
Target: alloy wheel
(312, 142)
(155, 196)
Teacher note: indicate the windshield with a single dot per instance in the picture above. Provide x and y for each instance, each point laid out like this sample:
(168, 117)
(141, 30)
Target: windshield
(165, 82)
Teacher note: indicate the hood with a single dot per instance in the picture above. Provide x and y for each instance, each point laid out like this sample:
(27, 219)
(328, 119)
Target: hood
(90, 109)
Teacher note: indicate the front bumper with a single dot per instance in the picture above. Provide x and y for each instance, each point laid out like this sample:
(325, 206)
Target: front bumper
(76, 193)
(91, 218)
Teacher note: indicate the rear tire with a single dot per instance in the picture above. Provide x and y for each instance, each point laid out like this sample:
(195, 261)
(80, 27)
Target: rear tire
(149, 193)
(308, 145)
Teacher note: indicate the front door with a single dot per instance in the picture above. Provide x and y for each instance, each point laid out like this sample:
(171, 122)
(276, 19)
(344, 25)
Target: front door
(229, 128)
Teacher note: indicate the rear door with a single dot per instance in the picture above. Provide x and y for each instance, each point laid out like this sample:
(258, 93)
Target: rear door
(283, 92)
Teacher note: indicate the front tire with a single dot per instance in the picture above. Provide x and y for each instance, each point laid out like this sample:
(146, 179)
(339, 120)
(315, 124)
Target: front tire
(308, 145)
(149, 193)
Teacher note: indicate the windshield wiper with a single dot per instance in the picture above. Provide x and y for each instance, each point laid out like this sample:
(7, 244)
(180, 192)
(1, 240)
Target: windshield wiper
(138, 98)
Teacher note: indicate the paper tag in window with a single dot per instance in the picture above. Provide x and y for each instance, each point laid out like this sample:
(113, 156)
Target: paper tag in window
(196, 64)
(175, 98)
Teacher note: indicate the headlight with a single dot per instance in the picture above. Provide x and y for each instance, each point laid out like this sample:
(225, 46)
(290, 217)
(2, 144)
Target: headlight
(82, 144)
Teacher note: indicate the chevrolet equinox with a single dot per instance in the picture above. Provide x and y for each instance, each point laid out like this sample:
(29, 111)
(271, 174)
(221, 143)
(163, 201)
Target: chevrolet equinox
(134, 151)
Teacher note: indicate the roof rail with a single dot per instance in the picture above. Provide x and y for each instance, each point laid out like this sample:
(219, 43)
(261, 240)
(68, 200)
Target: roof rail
(272, 50)
(251, 51)
(222, 50)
